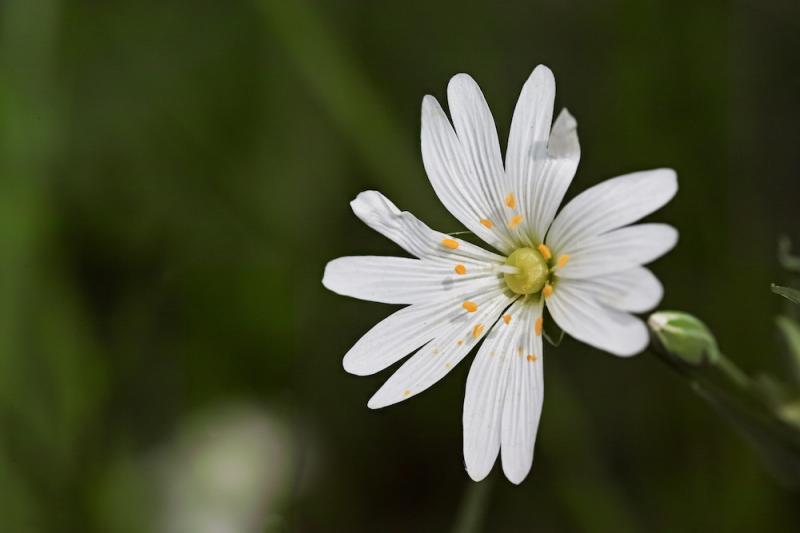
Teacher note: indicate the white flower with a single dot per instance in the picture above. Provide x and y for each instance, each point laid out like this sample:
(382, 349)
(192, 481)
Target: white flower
(584, 265)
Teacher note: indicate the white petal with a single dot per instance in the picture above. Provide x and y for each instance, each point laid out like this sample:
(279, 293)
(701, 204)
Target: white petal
(404, 331)
(410, 233)
(563, 142)
(531, 123)
(475, 128)
(580, 315)
(610, 205)
(438, 357)
(476, 131)
(636, 290)
(524, 397)
(618, 250)
(540, 163)
(400, 280)
(460, 186)
(394, 337)
(486, 391)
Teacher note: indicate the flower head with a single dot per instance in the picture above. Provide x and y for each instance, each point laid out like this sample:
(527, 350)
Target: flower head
(584, 265)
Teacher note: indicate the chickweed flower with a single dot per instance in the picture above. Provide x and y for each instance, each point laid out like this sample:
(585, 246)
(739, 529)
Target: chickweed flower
(583, 264)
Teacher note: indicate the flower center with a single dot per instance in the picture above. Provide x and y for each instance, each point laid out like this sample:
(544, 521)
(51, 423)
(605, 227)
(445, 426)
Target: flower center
(533, 271)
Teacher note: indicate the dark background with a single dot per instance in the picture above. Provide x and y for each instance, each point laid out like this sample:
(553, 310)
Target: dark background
(175, 175)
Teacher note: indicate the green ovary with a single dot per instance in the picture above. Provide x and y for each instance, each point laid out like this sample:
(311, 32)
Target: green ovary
(533, 271)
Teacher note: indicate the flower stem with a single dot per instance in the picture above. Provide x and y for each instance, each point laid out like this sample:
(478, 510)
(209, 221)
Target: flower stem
(474, 505)
(748, 407)
(733, 372)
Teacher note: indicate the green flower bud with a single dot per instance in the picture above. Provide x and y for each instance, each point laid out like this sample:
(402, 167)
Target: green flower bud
(683, 337)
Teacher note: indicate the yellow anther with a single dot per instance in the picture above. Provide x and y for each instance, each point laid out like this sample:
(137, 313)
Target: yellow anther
(562, 261)
(477, 330)
(448, 365)
(460, 342)
(531, 358)
(460, 269)
(506, 318)
(511, 201)
(547, 291)
(488, 223)
(514, 222)
(538, 326)
(545, 251)
(471, 307)
(406, 393)
(450, 243)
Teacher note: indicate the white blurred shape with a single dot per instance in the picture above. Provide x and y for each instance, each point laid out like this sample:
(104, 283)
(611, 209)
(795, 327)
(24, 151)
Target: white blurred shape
(225, 472)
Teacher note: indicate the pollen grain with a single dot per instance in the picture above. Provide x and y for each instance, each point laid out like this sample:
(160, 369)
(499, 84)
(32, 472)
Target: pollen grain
(547, 291)
(545, 251)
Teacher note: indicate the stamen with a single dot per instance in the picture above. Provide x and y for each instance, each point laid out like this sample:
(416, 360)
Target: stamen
(547, 291)
(486, 222)
(562, 261)
(538, 326)
(506, 318)
(508, 269)
(545, 251)
(460, 342)
(531, 358)
(471, 307)
(450, 243)
(461, 269)
(514, 222)
(511, 201)
(406, 393)
(477, 330)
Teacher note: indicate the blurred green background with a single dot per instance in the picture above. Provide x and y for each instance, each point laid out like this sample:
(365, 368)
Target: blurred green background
(175, 175)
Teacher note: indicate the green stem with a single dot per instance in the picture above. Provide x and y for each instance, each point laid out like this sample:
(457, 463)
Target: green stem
(733, 372)
(748, 409)
(473, 509)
